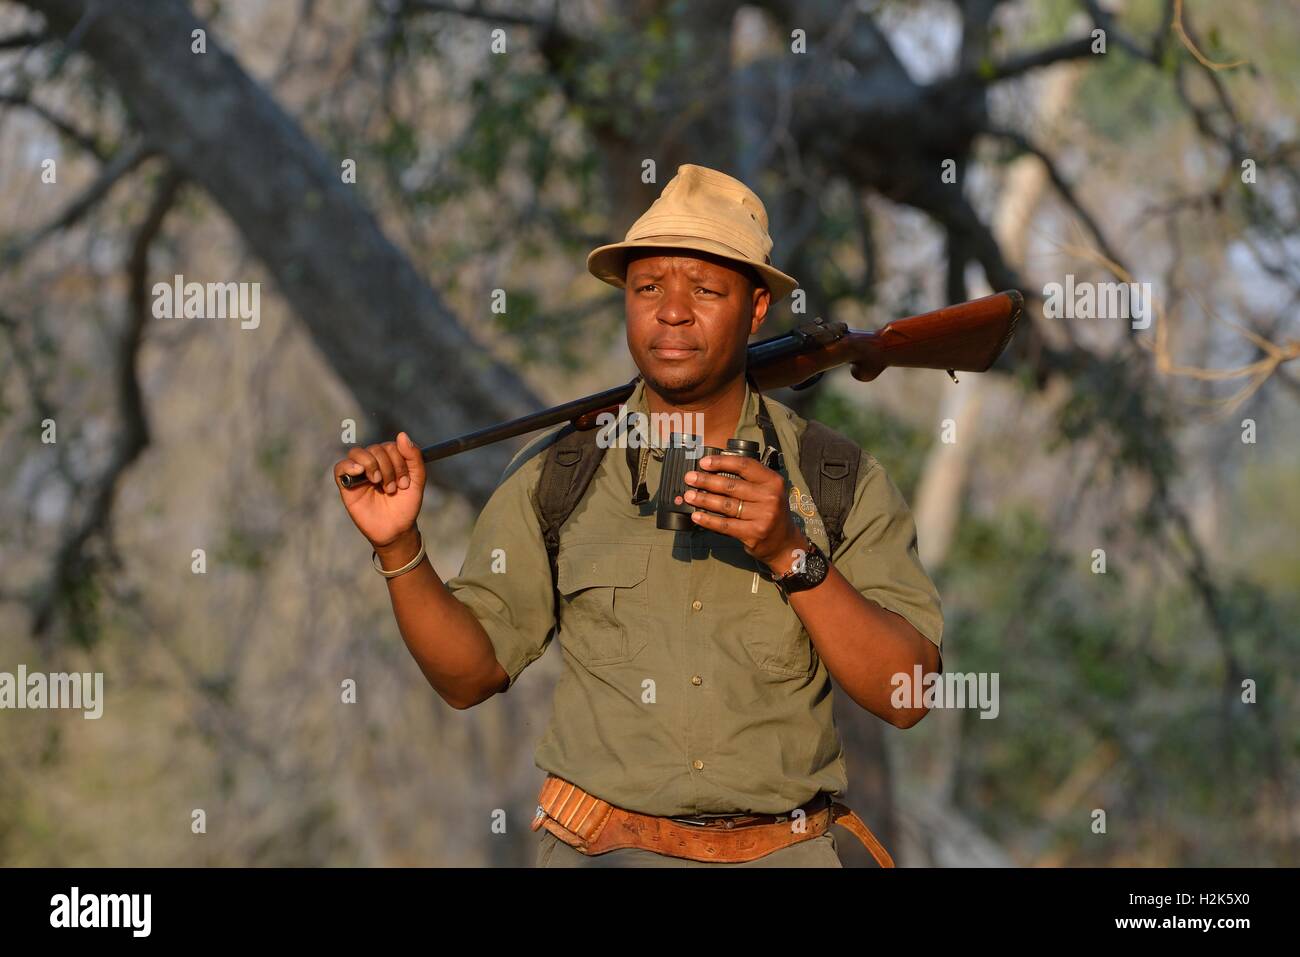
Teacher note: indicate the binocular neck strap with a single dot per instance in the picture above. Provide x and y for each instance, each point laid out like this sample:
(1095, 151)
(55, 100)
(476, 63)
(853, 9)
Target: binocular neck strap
(637, 461)
(636, 466)
(772, 457)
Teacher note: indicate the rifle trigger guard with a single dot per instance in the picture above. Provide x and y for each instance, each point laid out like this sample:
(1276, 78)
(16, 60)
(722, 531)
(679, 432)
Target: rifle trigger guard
(809, 382)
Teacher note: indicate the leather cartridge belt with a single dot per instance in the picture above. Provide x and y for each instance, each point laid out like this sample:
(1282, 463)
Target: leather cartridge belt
(592, 826)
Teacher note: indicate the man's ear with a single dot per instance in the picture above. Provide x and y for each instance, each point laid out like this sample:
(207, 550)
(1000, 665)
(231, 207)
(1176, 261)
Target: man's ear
(762, 299)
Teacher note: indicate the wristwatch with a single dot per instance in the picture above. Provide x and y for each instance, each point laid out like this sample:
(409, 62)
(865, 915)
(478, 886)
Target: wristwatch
(815, 568)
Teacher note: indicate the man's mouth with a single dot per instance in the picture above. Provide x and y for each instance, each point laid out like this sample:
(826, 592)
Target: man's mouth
(673, 350)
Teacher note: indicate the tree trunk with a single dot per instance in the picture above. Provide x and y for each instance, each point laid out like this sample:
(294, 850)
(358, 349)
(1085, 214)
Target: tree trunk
(941, 492)
(385, 331)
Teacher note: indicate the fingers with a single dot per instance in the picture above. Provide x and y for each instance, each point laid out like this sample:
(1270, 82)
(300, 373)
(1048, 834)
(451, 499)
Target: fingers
(366, 459)
(726, 526)
(347, 466)
(748, 487)
(402, 478)
(387, 469)
(389, 466)
(751, 470)
(381, 463)
(411, 454)
(727, 505)
(726, 485)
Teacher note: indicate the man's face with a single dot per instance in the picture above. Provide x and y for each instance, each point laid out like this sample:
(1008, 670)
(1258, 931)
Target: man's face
(689, 317)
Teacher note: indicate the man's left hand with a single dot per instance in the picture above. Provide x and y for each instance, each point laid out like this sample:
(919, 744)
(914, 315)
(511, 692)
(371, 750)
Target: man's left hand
(752, 509)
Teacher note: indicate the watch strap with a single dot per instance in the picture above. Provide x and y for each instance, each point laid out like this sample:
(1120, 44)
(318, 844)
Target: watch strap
(799, 579)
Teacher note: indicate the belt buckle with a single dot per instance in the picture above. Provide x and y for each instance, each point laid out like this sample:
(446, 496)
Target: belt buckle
(694, 822)
(814, 806)
(725, 821)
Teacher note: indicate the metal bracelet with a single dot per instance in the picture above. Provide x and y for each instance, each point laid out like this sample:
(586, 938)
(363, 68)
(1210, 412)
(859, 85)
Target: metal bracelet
(419, 557)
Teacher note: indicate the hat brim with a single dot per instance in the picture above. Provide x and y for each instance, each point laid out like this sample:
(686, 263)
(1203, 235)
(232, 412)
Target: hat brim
(609, 263)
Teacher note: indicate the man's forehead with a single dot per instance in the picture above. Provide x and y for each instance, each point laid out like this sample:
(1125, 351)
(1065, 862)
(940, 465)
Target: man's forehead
(659, 263)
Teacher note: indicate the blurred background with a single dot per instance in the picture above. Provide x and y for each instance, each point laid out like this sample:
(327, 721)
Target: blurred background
(415, 186)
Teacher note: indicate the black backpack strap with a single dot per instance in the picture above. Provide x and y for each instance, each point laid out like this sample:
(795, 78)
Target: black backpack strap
(829, 462)
(567, 469)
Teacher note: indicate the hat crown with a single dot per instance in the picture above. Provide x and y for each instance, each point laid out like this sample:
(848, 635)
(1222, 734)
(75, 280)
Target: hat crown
(700, 210)
(708, 204)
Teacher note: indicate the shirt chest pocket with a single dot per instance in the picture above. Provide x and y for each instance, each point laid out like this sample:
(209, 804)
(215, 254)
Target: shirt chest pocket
(604, 607)
(775, 637)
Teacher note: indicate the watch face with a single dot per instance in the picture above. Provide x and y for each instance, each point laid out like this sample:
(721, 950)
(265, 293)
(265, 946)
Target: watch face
(814, 572)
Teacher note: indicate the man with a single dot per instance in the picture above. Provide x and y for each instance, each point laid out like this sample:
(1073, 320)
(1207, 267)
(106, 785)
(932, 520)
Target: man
(692, 724)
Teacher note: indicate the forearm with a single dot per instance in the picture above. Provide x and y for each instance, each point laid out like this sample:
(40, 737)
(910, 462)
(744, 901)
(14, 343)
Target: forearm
(864, 645)
(443, 636)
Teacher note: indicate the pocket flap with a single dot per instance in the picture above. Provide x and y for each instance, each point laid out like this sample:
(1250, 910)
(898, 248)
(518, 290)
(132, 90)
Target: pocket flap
(607, 564)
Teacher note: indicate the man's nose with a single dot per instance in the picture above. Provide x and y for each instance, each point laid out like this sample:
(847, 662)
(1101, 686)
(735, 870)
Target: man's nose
(675, 308)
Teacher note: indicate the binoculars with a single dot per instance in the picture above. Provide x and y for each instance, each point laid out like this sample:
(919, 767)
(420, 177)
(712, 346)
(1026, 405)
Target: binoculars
(680, 456)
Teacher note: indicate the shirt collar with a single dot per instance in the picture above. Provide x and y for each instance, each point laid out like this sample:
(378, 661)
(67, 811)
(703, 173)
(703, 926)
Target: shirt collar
(747, 427)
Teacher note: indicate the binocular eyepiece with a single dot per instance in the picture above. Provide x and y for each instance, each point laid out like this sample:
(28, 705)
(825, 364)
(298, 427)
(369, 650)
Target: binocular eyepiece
(681, 455)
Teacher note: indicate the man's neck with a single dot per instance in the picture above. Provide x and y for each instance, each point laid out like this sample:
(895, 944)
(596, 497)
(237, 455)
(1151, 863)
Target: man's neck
(721, 412)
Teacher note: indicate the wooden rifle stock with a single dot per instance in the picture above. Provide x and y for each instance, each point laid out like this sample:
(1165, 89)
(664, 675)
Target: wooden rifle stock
(967, 337)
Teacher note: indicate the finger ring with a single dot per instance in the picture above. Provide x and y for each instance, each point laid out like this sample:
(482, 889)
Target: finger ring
(739, 508)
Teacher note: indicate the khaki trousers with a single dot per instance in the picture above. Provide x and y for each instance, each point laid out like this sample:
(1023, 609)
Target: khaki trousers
(815, 852)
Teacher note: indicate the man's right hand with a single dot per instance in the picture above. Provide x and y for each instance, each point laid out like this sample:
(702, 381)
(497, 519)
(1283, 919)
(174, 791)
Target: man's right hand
(385, 507)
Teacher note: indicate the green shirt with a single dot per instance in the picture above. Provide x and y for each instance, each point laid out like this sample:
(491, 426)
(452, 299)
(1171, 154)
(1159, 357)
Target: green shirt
(689, 685)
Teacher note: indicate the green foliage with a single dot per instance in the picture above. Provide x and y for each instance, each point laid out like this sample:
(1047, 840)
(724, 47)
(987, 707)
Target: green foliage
(399, 145)
(1085, 663)
(1109, 403)
(541, 335)
(243, 548)
(900, 448)
(1124, 100)
(78, 605)
(272, 458)
(506, 114)
(1266, 513)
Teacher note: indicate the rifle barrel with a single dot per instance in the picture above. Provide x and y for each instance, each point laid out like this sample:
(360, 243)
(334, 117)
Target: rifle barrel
(528, 423)
(945, 338)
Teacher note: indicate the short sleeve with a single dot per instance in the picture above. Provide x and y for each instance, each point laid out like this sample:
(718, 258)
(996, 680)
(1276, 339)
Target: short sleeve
(879, 556)
(505, 580)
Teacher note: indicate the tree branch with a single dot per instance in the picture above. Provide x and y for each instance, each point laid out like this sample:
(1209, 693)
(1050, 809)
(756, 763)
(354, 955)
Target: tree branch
(1019, 64)
(388, 335)
(19, 41)
(1104, 19)
(476, 12)
(126, 160)
(1062, 186)
(74, 561)
(80, 137)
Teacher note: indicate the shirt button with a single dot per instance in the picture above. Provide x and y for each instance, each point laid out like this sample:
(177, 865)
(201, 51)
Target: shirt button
(697, 680)
(697, 604)
(697, 765)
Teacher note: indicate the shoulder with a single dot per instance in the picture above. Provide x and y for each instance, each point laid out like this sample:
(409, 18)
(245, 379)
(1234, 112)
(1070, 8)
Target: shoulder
(797, 427)
(527, 462)
(783, 414)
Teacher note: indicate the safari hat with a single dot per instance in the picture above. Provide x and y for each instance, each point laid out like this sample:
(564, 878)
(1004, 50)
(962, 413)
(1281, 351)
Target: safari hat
(704, 210)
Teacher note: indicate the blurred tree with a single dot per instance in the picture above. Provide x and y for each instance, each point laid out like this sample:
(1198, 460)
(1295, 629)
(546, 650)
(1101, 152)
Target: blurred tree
(827, 109)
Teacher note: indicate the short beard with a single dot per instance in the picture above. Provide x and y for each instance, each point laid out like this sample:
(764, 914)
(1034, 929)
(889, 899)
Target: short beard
(688, 387)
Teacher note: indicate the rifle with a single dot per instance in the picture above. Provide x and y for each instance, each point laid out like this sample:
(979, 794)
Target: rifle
(967, 337)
